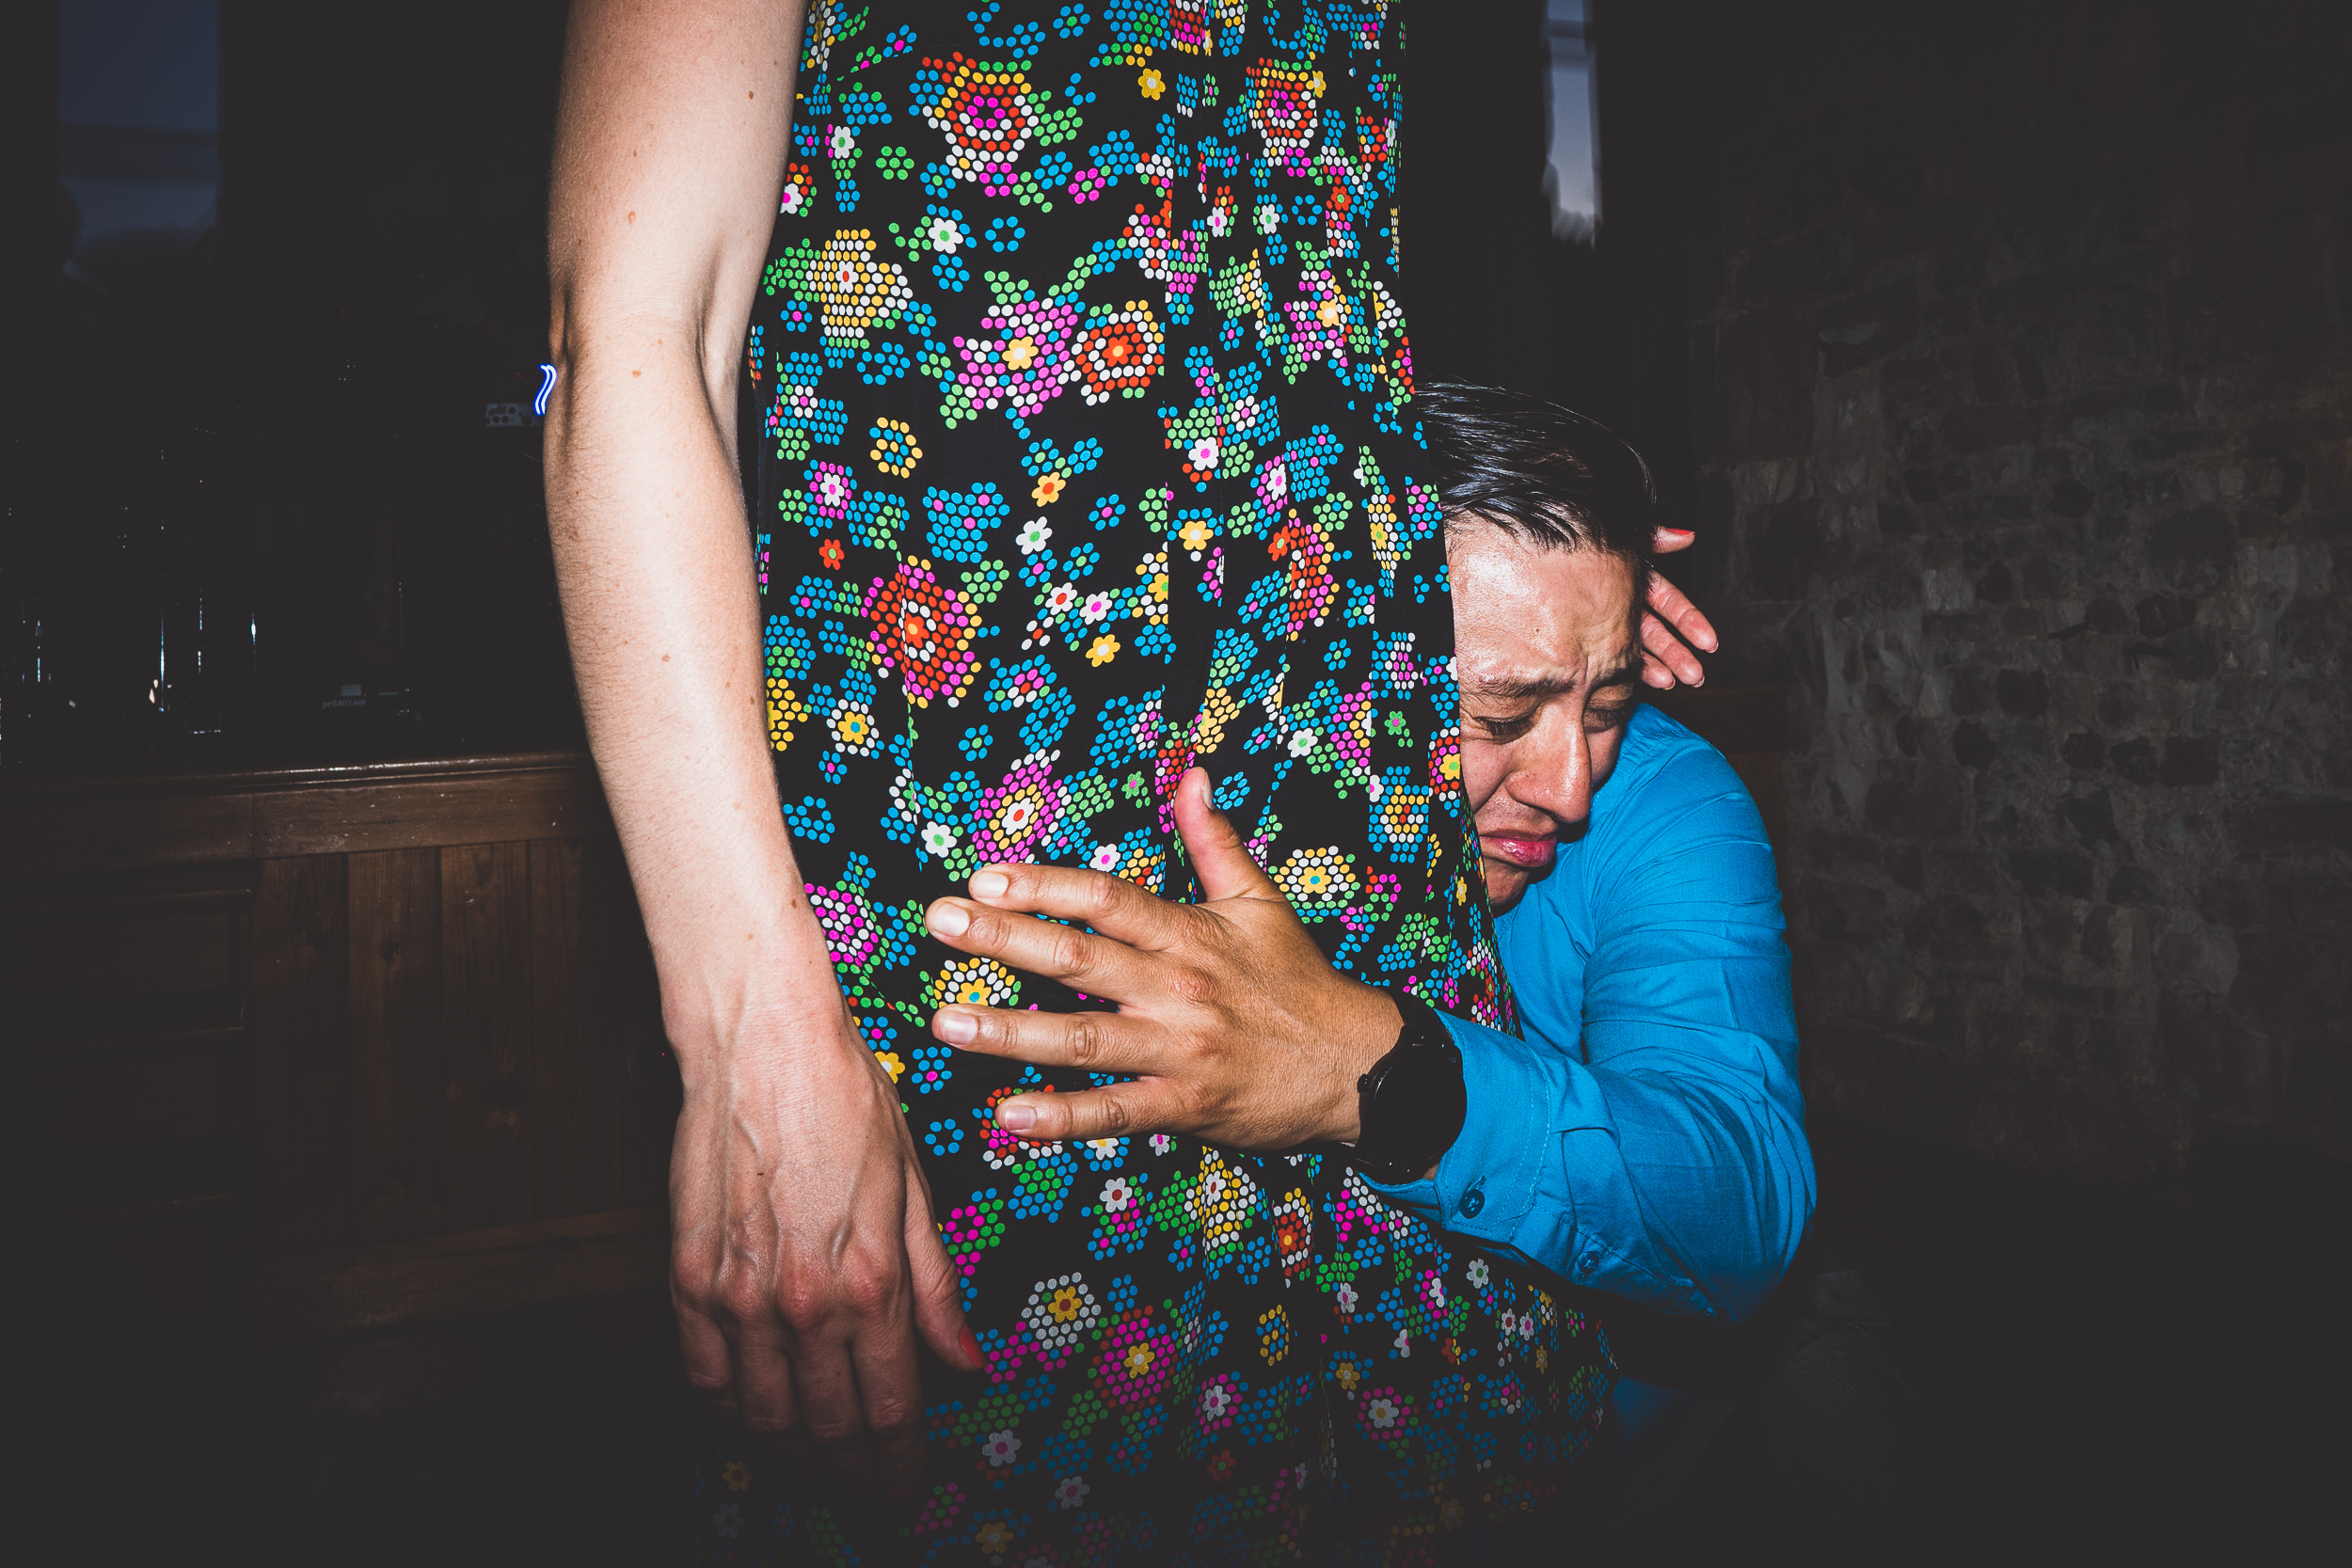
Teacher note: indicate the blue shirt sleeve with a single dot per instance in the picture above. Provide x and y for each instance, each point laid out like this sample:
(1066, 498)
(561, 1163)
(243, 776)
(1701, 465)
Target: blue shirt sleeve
(1661, 1156)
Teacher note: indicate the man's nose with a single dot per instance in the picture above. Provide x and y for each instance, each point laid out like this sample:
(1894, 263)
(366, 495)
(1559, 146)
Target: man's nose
(1557, 779)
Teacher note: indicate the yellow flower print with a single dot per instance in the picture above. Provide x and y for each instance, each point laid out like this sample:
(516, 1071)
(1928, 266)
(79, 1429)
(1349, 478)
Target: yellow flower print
(892, 1064)
(1103, 649)
(737, 1474)
(784, 709)
(853, 729)
(1020, 353)
(1193, 535)
(855, 290)
(895, 451)
(994, 1538)
(976, 983)
(1152, 83)
(1317, 879)
(1048, 489)
(1219, 709)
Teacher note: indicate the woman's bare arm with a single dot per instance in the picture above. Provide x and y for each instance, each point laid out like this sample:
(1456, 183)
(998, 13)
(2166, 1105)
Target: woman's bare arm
(803, 1245)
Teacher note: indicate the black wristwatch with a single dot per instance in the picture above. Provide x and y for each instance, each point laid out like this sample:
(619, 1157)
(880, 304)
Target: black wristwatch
(1412, 1102)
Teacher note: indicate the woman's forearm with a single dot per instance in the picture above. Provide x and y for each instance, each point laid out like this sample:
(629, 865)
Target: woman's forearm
(668, 155)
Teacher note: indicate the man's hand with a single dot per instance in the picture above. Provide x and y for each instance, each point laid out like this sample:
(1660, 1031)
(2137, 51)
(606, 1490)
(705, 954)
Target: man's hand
(1664, 659)
(804, 1242)
(1242, 1031)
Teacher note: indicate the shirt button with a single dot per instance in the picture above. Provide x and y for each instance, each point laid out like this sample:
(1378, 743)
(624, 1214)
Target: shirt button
(1589, 1264)
(1472, 1202)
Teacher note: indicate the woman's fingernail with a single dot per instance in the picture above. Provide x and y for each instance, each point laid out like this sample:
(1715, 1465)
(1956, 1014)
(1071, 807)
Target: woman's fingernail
(958, 1028)
(1015, 1116)
(972, 1348)
(989, 884)
(947, 920)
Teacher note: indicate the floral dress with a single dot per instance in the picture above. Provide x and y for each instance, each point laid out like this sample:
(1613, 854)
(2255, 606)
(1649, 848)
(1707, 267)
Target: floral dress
(1088, 454)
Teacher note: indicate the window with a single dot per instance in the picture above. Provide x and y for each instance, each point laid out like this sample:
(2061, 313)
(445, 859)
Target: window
(1570, 180)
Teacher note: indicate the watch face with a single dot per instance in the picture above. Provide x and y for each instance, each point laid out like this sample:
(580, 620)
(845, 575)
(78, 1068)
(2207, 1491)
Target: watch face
(1415, 1110)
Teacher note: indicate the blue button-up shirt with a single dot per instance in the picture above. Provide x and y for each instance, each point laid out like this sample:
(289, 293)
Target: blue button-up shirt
(1645, 1137)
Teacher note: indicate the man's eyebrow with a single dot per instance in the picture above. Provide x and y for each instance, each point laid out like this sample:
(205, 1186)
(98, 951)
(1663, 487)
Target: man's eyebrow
(1512, 691)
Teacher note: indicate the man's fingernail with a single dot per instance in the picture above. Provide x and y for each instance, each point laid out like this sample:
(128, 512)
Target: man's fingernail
(947, 920)
(958, 1028)
(1015, 1116)
(1679, 532)
(972, 1348)
(989, 884)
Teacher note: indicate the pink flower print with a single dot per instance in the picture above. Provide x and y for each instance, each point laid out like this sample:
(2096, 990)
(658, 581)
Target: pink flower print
(1001, 1448)
(1351, 733)
(940, 1509)
(1285, 107)
(1071, 1493)
(847, 922)
(1096, 607)
(1136, 1360)
(1017, 813)
(1213, 1407)
(1029, 363)
(1106, 857)
(1318, 322)
(831, 490)
(1383, 1414)
(1346, 1296)
(1188, 25)
(1176, 257)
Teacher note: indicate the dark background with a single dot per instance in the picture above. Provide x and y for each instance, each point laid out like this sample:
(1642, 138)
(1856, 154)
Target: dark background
(1999, 356)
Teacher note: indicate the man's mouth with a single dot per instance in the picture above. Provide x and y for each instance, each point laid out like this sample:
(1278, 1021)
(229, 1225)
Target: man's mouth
(1526, 852)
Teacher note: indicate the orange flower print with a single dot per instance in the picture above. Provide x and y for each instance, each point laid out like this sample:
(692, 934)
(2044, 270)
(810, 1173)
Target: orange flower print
(1121, 352)
(985, 114)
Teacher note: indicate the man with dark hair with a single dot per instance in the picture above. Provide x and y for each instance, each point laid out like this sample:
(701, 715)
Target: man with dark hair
(1641, 1134)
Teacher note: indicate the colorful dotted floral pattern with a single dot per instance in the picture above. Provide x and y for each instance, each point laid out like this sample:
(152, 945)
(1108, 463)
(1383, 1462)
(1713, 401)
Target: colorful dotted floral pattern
(1088, 454)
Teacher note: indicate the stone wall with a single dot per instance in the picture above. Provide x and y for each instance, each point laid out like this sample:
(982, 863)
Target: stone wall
(2001, 355)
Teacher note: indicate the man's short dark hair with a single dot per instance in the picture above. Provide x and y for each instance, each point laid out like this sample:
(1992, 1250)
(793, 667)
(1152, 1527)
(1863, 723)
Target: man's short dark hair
(1537, 470)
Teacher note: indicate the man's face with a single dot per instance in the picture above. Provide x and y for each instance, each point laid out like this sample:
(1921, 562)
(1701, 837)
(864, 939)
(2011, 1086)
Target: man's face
(1548, 665)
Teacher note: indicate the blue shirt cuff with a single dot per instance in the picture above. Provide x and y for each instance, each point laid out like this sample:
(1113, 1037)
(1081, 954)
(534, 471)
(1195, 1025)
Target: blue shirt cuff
(1498, 1184)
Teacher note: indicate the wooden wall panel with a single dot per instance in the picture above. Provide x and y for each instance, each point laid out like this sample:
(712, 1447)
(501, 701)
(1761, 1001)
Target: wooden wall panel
(491, 807)
(487, 1030)
(301, 1054)
(572, 1022)
(400, 1086)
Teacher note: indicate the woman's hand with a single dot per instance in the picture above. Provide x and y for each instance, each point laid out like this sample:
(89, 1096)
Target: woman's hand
(804, 1256)
(1664, 659)
(1242, 1031)
(804, 1246)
